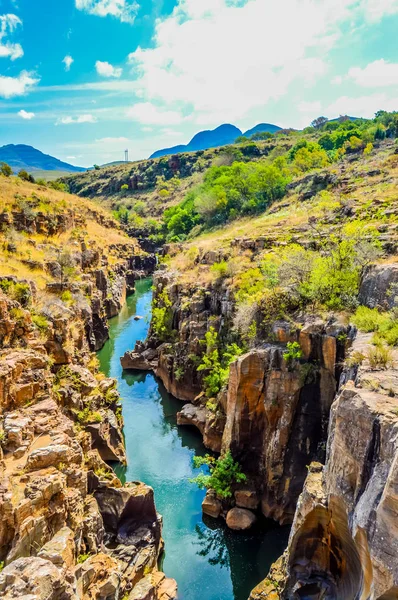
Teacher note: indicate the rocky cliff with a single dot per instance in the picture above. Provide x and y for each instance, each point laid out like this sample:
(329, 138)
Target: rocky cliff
(273, 414)
(69, 528)
(344, 539)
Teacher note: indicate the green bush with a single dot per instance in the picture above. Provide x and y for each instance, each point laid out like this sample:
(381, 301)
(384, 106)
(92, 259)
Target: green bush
(26, 176)
(162, 317)
(5, 169)
(40, 322)
(293, 353)
(383, 323)
(224, 474)
(215, 363)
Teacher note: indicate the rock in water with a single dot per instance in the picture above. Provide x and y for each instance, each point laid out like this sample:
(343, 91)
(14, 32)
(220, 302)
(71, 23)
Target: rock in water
(240, 519)
(211, 505)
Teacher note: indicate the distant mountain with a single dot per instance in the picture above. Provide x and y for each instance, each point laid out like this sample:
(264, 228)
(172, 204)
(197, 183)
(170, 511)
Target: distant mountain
(262, 128)
(225, 134)
(221, 136)
(26, 157)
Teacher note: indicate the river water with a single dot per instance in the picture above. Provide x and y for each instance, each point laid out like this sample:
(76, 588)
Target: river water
(208, 561)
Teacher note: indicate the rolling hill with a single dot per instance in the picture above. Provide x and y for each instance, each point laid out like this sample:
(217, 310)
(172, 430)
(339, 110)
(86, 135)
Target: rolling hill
(20, 156)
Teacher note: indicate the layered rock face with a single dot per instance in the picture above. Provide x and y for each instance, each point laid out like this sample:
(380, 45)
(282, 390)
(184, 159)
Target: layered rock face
(68, 528)
(274, 412)
(344, 539)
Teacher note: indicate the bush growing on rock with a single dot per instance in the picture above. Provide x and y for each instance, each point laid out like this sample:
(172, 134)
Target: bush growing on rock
(162, 317)
(224, 473)
(216, 363)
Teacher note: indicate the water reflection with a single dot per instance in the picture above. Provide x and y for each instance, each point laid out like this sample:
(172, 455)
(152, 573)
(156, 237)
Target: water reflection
(208, 561)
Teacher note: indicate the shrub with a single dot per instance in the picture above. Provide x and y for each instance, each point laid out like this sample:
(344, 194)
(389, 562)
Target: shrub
(26, 176)
(20, 292)
(224, 473)
(5, 169)
(162, 316)
(383, 323)
(40, 322)
(67, 297)
(124, 188)
(380, 357)
(82, 558)
(220, 269)
(293, 353)
(215, 364)
(367, 319)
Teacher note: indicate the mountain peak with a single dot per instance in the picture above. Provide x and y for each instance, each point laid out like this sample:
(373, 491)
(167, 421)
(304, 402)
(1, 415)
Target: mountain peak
(211, 138)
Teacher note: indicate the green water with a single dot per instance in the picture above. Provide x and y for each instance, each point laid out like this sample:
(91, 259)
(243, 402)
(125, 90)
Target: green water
(208, 561)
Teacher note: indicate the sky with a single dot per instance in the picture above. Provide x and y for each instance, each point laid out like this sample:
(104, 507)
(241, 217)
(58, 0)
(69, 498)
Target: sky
(83, 80)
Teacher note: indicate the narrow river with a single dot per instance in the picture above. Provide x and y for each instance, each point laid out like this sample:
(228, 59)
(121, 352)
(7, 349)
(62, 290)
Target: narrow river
(208, 561)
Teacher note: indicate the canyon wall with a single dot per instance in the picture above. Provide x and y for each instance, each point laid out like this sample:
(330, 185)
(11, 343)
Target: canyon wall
(344, 539)
(69, 530)
(273, 415)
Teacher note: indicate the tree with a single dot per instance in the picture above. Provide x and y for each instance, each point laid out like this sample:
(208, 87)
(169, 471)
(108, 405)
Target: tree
(319, 122)
(224, 473)
(5, 169)
(26, 176)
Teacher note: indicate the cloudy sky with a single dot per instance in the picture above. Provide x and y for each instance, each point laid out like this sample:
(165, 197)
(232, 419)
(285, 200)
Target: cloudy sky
(85, 79)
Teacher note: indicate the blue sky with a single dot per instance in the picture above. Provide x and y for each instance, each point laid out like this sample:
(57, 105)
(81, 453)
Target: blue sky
(85, 79)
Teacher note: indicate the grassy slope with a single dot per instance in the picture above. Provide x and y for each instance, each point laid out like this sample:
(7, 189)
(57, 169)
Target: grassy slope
(366, 190)
(104, 185)
(94, 226)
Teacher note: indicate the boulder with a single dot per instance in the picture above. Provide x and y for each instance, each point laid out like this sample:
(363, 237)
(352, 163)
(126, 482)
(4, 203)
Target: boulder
(60, 549)
(133, 502)
(51, 456)
(240, 519)
(247, 498)
(377, 288)
(192, 415)
(211, 505)
(34, 579)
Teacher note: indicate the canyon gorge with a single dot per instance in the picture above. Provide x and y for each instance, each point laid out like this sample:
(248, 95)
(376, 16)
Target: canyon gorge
(208, 415)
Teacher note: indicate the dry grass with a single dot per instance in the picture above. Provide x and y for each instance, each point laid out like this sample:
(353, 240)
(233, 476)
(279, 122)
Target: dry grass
(95, 227)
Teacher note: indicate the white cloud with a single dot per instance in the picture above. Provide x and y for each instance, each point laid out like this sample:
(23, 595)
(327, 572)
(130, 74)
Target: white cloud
(71, 157)
(8, 24)
(149, 114)
(79, 119)
(362, 106)
(68, 61)
(105, 69)
(26, 115)
(375, 10)
(125, 10)
(379, 73)
(231, 79)
(17, 86)
(211, 58)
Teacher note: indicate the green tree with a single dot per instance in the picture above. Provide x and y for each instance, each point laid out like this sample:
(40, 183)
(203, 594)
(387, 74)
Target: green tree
(224, 474)
(5, 169)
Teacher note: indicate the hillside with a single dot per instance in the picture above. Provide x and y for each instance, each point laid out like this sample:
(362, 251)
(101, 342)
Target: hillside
(222, 135)
(20, 156)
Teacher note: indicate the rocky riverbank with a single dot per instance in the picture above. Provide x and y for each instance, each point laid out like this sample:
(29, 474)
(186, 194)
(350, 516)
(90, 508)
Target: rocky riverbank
(69, 528)
(316, 436)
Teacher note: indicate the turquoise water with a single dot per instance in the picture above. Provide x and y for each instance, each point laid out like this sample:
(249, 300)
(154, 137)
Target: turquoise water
(208, 561)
